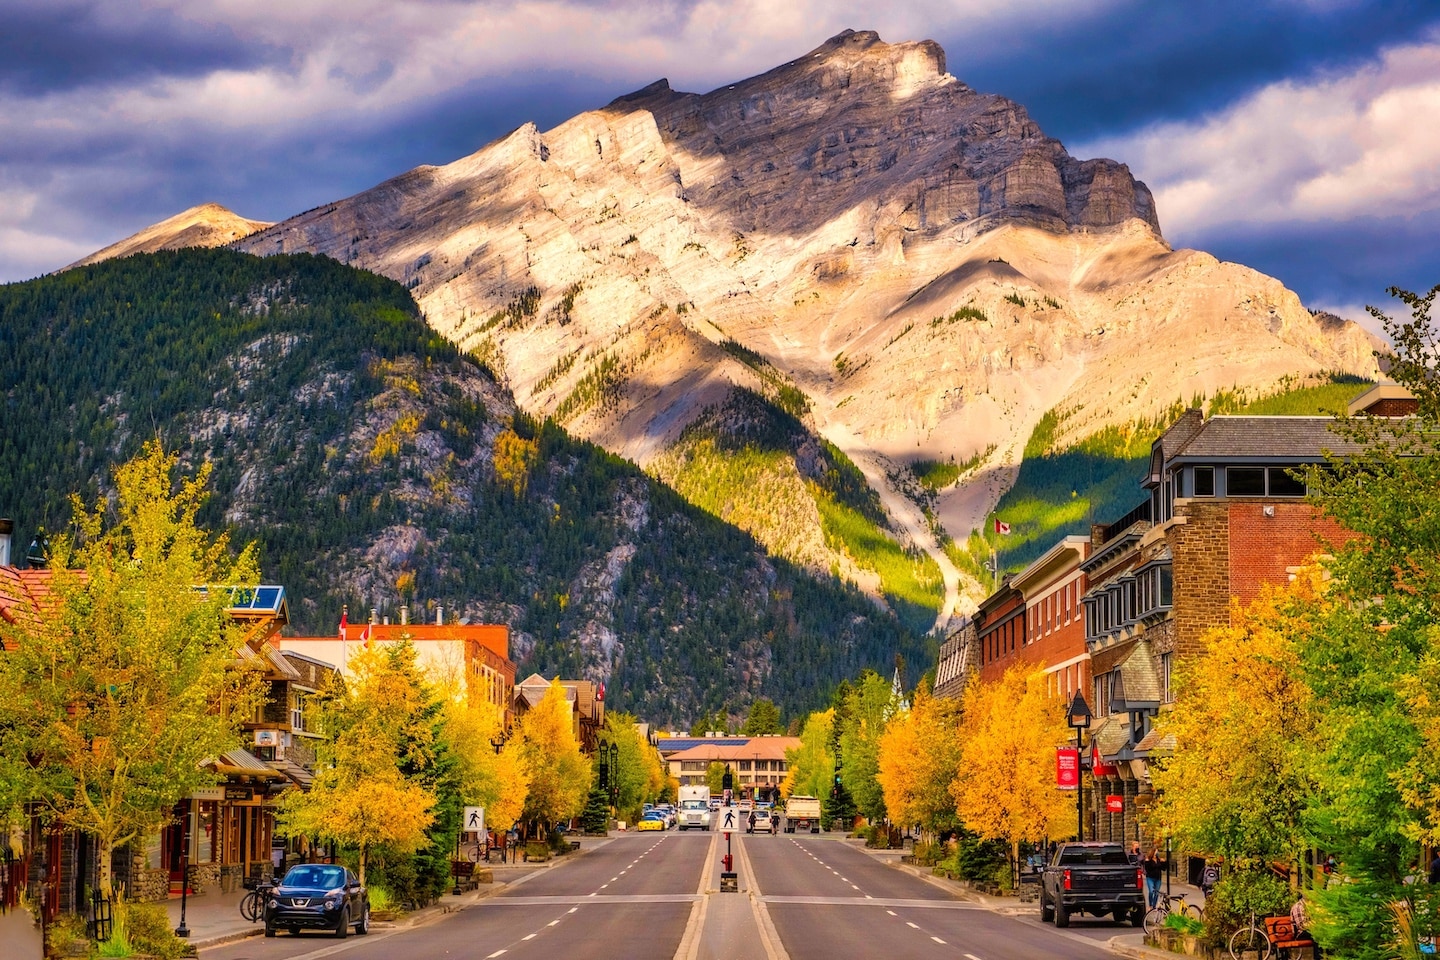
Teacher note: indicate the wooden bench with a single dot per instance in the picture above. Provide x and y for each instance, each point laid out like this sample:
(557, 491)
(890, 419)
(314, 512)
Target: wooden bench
(1284, 936)
(464, 873)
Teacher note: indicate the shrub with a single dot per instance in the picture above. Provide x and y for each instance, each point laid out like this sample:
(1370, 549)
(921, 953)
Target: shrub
(1183, 923)
(147, 926)
(1239, 895)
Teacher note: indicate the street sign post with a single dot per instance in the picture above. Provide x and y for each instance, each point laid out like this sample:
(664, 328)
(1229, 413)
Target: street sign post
(475, 820)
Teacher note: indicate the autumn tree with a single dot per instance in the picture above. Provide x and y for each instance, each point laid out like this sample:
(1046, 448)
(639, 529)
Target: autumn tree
(810, 767)
(124, 681)
(1238, 782)
(919, 759)
(495, 780)
(1005, 789)
(1370, 662)
(869, 706)
(559, 773)
(381, 728)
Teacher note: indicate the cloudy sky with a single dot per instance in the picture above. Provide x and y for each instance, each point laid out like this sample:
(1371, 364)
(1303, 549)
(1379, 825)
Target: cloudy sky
(1301, 137)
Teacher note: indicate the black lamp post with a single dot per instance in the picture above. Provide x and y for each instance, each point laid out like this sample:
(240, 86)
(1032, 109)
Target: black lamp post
(497, 742)
(614, 773)
(1079, 721)
(183, 931)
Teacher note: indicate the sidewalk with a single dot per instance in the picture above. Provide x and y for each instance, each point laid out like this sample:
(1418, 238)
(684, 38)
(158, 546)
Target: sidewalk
(1128, 944)
(214, 918)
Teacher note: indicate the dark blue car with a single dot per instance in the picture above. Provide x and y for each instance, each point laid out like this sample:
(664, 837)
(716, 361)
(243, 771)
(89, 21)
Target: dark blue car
(318, 896)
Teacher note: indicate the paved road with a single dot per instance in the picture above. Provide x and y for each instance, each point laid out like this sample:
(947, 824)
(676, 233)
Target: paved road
(654, 896)
(828, 899)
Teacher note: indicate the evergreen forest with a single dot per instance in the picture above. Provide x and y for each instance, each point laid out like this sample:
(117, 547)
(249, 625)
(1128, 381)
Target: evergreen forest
(376, 465)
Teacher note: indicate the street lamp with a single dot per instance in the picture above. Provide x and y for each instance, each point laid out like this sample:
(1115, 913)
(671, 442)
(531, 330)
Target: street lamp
(497, 741)
(614, 773)
(1079, 721)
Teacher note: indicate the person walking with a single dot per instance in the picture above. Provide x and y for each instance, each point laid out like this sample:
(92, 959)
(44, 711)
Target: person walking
(1154, 869)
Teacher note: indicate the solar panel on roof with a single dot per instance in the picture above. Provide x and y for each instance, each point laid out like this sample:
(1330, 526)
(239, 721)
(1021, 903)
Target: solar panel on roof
(268, 598)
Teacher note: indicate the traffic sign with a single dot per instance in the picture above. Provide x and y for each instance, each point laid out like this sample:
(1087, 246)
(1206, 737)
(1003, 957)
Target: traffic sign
(474, 820)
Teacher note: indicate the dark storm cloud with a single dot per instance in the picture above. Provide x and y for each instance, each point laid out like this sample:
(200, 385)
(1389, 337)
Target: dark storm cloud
(1141, 62)
(57, 47)
(1329, 263)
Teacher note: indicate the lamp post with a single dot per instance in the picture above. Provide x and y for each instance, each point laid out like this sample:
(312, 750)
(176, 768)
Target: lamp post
(1079, 720)
(614, 773)
(183, 931)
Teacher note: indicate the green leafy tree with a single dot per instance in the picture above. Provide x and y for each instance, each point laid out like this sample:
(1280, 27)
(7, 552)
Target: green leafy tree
(1371, 661)
(715, 777)
(596, 818)
(764, 719)
(869, 707)
(810, 767)
(114, 692)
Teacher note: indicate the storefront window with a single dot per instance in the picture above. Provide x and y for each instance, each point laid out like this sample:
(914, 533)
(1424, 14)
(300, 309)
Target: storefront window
(205, 822)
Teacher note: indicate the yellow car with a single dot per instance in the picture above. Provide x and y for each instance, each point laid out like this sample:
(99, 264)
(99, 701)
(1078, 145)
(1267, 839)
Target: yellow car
(651, 821)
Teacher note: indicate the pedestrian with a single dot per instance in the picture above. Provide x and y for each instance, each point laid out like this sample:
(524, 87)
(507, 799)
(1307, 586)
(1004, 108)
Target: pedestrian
(1154, 869)
(1135, 856)
(1299, 920)
(513, 839)
(1208, 878)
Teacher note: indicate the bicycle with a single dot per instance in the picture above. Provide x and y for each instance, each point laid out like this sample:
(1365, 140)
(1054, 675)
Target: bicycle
(1170, 903)
(1251, 942)
(252, 905)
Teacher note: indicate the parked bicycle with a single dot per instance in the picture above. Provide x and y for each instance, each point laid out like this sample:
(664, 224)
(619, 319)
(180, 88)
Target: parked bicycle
(252, 905)
(1170, 903)
(1251, 942)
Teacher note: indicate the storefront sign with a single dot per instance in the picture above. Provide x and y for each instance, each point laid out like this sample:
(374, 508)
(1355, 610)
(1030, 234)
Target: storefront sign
(1099, 767)
(1067, 768)
(238, 793)
(208, 793)
(1115, 804)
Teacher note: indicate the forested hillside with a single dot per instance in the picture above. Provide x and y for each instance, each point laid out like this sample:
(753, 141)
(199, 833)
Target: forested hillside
(1061, 490)
(376, 464)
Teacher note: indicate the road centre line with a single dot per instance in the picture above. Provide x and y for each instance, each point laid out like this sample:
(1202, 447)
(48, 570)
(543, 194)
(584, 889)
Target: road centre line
(528, 937)
(915, 926)
(892, 913)
(971, 956)
(937, 939)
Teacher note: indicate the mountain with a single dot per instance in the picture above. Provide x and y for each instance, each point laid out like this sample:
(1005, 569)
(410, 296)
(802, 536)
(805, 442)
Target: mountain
(208, 225)
(375, 464)
(907, 266)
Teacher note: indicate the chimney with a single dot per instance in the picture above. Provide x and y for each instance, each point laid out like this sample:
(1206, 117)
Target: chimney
(439, 615)
(7, 534)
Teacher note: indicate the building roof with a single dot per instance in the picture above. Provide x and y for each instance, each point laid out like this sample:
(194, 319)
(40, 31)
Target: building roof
(22, 592)
(1138, 682)
(750, 748)
(1268, 438)
(240, 762)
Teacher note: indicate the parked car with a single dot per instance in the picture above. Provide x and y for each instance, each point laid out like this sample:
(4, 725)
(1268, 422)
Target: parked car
(318, 896)
(1097, 878)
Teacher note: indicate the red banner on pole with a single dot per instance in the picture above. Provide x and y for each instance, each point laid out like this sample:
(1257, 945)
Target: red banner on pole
(1114, 803)
(1067, 768)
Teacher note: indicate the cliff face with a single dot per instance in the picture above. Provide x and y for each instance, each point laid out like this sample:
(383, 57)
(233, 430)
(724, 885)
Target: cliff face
(915, 259)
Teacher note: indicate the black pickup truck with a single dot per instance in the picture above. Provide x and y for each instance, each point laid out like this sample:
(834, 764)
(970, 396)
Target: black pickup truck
(1094, 878)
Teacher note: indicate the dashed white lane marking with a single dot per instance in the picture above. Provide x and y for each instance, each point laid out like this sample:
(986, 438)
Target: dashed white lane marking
(495, 954)
(937, 939)
(529, 937)
(853, 887)
(972, 956)
(613, 879)
(867, 896)
(892, 913)
(552, 923)
(573, 909)
(915, 926)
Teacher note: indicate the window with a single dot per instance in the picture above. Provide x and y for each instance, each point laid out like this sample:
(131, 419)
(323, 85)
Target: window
(1166, 665)
(1284, 485)
(1245, 481)
(1204, 481)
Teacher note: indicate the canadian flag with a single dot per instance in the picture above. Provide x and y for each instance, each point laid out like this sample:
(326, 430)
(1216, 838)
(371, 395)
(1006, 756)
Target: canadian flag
(344, 621)
(1001, 527)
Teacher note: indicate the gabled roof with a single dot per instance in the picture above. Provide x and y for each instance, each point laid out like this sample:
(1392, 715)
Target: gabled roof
(22, 592)
(1139, 685)
(753, 748)
(1271, 438)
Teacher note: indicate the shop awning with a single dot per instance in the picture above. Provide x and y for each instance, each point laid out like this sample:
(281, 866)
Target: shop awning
(243, 763)
(293, 772)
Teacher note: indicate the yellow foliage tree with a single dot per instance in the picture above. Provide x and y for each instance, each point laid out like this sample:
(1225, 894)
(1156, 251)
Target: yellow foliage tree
(513, 458)
(379, 721)
(559, 772)
(919, 757)
(1005, 789)
(113, 694)
(497, 781)
(1244, 728)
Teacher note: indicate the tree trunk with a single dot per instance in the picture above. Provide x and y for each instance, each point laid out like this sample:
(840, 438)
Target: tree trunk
(364, 855)
(105, 851)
